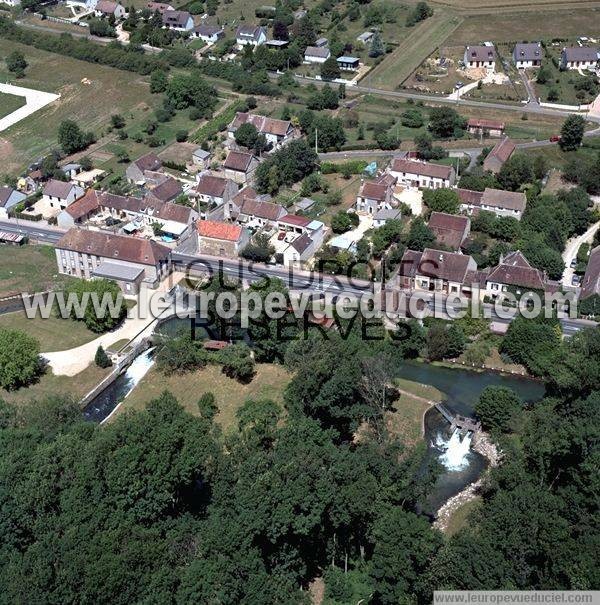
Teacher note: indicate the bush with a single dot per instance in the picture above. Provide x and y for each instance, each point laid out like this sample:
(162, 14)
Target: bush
(19, 359)
(181, 136)
(101, 358)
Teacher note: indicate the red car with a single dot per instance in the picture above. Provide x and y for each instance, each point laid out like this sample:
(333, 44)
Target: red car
(281, 235)
(555, 138)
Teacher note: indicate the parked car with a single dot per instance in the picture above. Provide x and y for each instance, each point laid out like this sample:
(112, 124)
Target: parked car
(573, 263)
(576, 280)
(555, 138)
(281, 235)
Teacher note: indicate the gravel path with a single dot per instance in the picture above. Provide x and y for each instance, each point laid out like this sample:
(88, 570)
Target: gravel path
(34, 100)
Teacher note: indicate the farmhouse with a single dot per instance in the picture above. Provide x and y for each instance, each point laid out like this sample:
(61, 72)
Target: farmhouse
(450, 230)
(381, 217)
(514, 272)
(209, 33)
(503, 203)
(256, 212)
(316, 54)
(221, 239)
(500, 154)
(346, 63)
(214, 191)
(136, 171)
(240, 166)
(422, 174)
(374, 196)
(485, 128)
(433, 270)
(480, 56)
(166, 190)
(107, 8)
(128, 260)
(180, 21)
(277, 132)
(579, 57)
(250, 35)
(59, 194)
(528, 55)
(9, 198)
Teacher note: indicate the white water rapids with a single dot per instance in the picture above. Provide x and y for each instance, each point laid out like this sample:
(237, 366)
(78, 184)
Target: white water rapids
(455, 451)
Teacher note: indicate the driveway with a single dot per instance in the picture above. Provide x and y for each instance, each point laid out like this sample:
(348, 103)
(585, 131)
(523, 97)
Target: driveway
(571, 249)
(34, 100)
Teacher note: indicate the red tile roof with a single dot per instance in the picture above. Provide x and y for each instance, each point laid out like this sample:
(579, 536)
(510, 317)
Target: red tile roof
(84, 205)
(514, 270)
(373, 191)
(471, 198)
(238, 160)
(448, 266)
(264, 125)
(211, 185)
(421, 168)
(498, 198)
(483, 123)
(294, 219)
(108, 245)
(219, 230)
(449, 229)
(502, 151)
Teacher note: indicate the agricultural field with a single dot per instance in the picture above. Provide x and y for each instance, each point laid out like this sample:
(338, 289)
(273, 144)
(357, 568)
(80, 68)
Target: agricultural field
(423, 39)
(489, 6)
(519, 26)
(10, 103)
(90, 94)
(28, 269)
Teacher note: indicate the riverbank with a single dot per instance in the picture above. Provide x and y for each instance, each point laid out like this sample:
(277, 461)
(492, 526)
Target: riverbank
(483, 445)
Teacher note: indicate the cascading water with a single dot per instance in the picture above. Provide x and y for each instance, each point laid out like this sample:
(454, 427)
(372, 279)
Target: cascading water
(104, 404)
(455, 450)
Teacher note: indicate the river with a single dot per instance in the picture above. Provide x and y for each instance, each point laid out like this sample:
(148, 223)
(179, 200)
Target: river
(461, 388)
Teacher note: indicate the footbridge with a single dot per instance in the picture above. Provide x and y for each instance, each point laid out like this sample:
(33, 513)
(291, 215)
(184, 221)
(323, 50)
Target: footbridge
(457, 421)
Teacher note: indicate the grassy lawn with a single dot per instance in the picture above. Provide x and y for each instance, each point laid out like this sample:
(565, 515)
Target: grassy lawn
(406, 420)
(422, 40)
(269, 382)
(76, 386)
(28, 269)
(53, 334)
(561, 82)
(460, 517)
(10, 103)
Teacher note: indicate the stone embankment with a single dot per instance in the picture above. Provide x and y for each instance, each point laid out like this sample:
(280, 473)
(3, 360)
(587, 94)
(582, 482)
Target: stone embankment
(484, 446)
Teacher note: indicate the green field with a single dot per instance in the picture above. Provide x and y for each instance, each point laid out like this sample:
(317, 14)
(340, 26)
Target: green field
(269, 382)
(518, 26)
(53, 334)
(90, 94)
(28, 269)
(423, 39)
(10, 103)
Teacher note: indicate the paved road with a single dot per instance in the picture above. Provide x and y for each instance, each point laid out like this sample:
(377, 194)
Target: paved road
(44, 235)
(571, 250)
(34, 101)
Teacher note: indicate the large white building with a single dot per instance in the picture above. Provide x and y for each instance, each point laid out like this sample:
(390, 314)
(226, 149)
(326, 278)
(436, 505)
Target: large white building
(422, 174)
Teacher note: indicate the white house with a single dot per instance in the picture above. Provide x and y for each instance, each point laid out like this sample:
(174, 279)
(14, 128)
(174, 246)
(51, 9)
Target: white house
(250, 35)
(59, 194)
(9, 197)
(579, 57)
(180, 21)
(374, 196)
(480, 56)
(528, 55)
(422, 174)
(208, 33)
(498, 201)
(277, 132)
(316, 54)
(106, 8)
